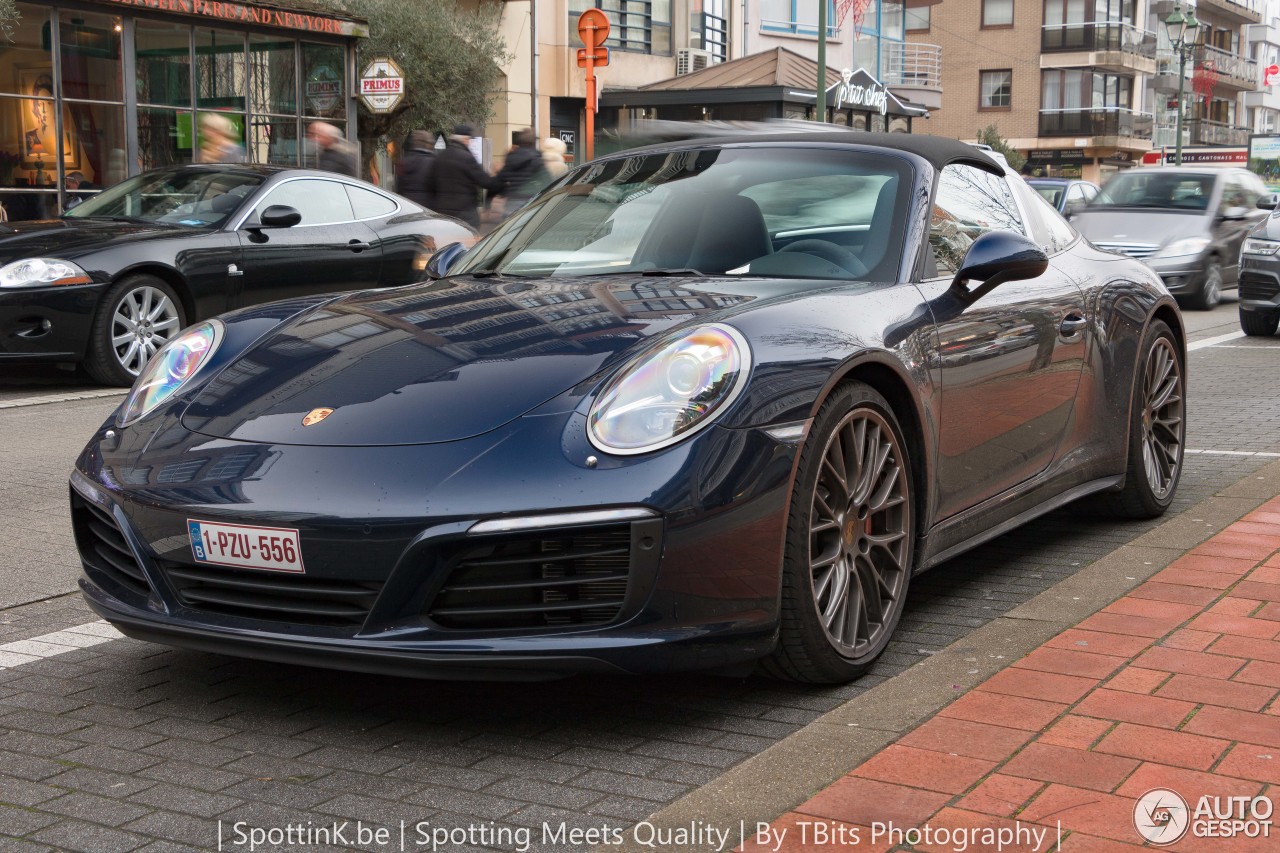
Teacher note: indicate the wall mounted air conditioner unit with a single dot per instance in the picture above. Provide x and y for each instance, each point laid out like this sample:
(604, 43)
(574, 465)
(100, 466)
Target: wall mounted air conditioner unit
(691, 59)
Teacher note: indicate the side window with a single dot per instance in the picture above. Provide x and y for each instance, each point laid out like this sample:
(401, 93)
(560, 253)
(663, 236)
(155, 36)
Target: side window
(320, 202)
(969, 203)
(1235, 195)
(1075, 194)
(367, 203)
(1090, 192)
(1047, 226)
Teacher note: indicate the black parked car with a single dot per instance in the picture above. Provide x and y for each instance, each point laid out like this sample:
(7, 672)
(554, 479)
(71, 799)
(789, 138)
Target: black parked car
(698, 404)
(1260, 274)
(119, 275)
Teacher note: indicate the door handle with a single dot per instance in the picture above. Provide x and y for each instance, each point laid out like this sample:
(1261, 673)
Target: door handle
(358, 246)
(232, 269)
(1072, 325)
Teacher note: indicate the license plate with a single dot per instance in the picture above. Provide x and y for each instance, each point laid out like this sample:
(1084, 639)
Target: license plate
(275, 549)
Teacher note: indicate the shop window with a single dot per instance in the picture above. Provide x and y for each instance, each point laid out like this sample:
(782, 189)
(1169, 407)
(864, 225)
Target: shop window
(165, 137)
(90, 51)
(273, 140)
(324, 94)
(273, 75)
(220, 71)
(26, 61)
(94, 146)
(162, 55)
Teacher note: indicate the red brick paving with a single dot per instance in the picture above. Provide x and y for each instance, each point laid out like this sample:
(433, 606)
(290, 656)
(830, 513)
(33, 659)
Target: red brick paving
(1176, 685)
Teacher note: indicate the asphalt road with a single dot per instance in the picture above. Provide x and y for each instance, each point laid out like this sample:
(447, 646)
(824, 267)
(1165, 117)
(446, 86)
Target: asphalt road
(122, 745)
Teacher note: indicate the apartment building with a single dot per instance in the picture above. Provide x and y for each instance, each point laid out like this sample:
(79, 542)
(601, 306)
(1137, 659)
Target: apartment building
(1263, 104)
(1086, 87)
(654, 40)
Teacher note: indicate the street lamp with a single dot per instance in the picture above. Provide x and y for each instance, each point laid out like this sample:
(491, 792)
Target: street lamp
(1182, 36)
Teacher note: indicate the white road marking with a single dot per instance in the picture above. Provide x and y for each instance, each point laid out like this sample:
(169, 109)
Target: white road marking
(1220, 339)
(1223, 453)
(57, 643)
(1255, 346)
(23, 402)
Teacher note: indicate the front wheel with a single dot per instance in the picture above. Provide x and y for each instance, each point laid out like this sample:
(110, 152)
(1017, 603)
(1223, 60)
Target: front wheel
(849, 546)
(1210, 293)
(1157, 428)
(136, 317)
(1259, 324)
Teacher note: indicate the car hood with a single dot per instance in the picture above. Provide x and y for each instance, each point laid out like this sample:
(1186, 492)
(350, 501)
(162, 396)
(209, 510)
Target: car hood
(1267, 229)
(71, 238)
(1143, 225)
(440, 361)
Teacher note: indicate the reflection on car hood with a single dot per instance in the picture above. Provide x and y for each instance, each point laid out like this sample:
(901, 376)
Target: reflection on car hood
(72, 238)
(440, 361)
(1151, 226)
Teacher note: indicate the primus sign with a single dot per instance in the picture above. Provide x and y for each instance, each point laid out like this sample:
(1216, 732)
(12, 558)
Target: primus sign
(382, 85)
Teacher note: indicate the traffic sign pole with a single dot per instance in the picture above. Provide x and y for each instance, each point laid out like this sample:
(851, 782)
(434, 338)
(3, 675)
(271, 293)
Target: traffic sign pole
(593, 29)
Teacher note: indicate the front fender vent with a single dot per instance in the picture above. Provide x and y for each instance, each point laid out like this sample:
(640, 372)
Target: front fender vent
(103, 547)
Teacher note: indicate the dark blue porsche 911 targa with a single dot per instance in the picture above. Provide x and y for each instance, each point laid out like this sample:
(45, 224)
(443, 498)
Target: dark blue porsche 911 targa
(697, 405)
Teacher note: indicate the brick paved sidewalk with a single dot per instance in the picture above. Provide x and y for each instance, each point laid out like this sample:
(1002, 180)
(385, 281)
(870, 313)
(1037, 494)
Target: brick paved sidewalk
(1173, 686)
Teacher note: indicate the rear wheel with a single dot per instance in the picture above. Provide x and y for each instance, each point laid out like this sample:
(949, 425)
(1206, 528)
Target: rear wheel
(1157, 428)
(849, 543)
(137, 316)
(1259, 324)
(1210, 293)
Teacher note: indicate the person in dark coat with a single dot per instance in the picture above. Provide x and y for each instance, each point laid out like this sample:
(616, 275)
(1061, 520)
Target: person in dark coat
(336, 154)
(524, 172)
(414, 168)
(456, 179)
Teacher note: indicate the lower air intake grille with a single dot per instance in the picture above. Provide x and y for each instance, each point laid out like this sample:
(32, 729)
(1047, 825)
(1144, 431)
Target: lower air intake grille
(103, 547)
(275, 597)
(537, 581)
(1258, 286)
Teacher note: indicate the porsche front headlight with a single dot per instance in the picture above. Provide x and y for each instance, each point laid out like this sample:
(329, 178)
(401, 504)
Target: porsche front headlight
(42, 272)
(670, 393)
(171, 368)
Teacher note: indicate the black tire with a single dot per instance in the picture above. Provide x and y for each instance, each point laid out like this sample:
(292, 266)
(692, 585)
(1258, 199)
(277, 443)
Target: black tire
(1259, 324)
(1210, 292)
(119, 345)
(1157, 431)
(866, 536)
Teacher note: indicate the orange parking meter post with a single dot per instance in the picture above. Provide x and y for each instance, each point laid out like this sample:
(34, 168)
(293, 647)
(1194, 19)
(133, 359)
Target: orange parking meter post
(593, 29)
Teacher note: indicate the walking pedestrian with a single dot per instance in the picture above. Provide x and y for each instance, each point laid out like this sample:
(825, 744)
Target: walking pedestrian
(456, 179)
(336, 154)
(553, 149)
(218, 142)
(523, 173)
(414, 168)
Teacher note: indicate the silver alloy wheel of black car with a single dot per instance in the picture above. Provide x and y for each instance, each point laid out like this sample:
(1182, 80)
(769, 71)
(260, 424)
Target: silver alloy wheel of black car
(1162, 417)
(858, 531)
(850, 543)
(137, 316)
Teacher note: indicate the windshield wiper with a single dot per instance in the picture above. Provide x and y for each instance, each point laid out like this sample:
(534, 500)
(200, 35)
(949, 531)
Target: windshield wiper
(673, 271)
(497, 274)
(116, 218)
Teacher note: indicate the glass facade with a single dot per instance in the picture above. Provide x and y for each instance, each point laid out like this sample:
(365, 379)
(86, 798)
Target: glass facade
(88, 97)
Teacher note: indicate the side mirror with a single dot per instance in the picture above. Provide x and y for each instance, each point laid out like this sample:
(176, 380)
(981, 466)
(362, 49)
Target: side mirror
(1267, 201)
(438, 266)
(994, 258)
(280, 216)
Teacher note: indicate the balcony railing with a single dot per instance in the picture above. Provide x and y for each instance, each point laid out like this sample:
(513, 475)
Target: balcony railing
(1112, 121)
(1097, 35)
(1241, 70)
(1205, 132)
(1251, 10)
(801, 28)
(907, 64)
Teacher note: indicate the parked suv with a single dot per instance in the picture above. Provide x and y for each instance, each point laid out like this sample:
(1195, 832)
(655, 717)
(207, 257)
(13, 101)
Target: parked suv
(1260, 274)
(1187, 224)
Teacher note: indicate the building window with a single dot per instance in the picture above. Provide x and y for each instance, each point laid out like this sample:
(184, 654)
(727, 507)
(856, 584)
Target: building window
(997, 13)
(796, 16)
(995, 89)
(711, 28)
(918, 19)
(642, 26)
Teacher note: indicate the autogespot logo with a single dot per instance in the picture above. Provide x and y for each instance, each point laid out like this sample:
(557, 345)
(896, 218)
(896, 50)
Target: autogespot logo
(1161, 816)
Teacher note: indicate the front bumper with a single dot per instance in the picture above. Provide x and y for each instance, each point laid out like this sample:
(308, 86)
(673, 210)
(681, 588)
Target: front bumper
(1260, 284)
(702, 572)
(1182, 275)
(47, 323)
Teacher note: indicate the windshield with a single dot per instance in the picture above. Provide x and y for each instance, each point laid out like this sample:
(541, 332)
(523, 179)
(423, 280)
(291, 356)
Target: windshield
(1051, 193)
(195, 198)
(791, 212)
(1153, 188)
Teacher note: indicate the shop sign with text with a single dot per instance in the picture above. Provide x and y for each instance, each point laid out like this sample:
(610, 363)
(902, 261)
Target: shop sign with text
(248, 14)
